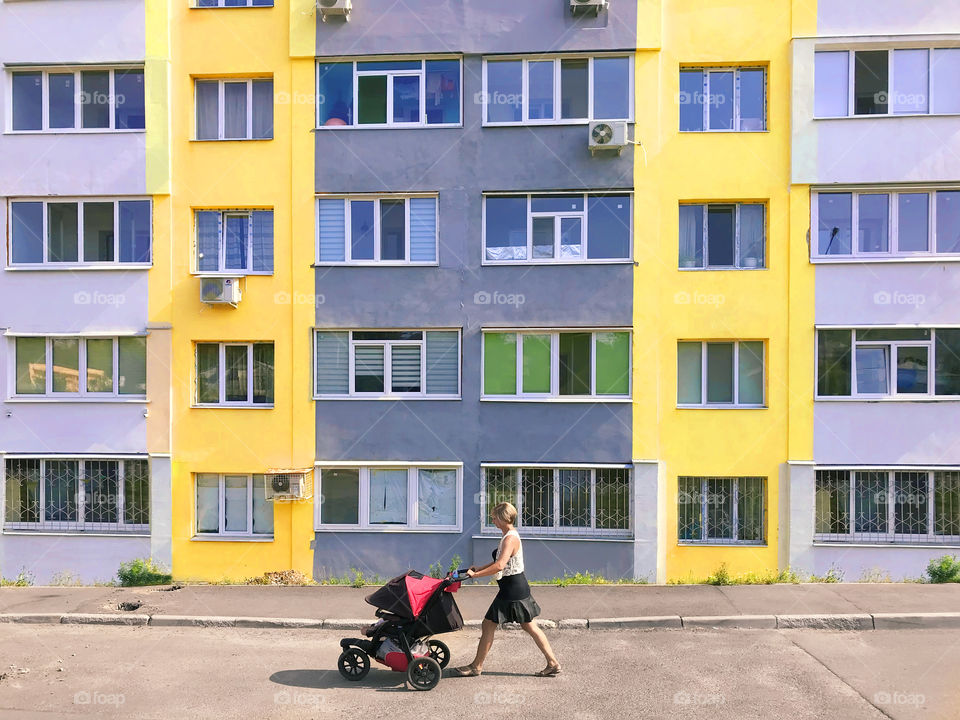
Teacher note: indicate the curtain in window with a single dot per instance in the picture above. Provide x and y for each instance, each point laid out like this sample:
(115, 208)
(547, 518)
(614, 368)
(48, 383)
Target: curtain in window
(443, 362)
(262, 109)
(831, 80)
(263, 241)
(99, 365)
(208, 373)
(691, 236)
(423, 229)
(208, 104)
(720, 509)
(388, 497)
(443, 91)
(405, 368)
(437, 497)
(235, 503)
(235, 373)
(235, 241)
(61, 490)
(870, 502)
(946, 79)
(262, 508)
(333, 363)
(332, 224)
(208, 241)
(132, 370)
(235, 110)
(751, 236)
(102, 491)
(369, 374)
(208, 503)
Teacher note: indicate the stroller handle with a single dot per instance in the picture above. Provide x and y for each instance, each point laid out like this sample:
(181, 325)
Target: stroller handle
(458, 575)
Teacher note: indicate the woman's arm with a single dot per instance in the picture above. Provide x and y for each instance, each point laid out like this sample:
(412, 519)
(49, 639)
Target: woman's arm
(510, 545)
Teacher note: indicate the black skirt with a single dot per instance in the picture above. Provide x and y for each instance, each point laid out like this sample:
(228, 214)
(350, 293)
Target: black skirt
(513, 602)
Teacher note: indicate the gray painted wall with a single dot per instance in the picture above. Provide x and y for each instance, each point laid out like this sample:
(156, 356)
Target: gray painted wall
(876, 17)
(87, 559)
(460, 164)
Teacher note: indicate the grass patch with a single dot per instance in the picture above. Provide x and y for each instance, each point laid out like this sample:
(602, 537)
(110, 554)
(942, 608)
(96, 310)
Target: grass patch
(284, 577)
(587, 578)
(23, 579)
(353, 578)
(142, 571)
(832, 575)
(944, 569)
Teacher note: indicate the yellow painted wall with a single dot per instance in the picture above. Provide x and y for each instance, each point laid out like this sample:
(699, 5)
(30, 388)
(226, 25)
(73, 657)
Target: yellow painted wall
(671, 305)
(277, 174)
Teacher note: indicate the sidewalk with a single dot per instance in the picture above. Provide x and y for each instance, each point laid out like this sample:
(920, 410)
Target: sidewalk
(850, 605)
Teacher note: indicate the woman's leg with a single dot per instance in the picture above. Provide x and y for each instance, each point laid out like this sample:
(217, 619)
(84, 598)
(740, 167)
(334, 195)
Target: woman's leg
(534, 631)
(487, 629)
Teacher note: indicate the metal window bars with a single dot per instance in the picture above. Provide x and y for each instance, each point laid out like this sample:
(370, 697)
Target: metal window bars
(77, 495)
(721, 510)
(578, 501)
(888, 506)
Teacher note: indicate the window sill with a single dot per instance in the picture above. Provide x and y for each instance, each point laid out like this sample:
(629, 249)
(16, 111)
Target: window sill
(884, 259)
(405, 126)
(80, 400)
(724, 268)
(74, 267)
(598, 399)
(67, 131)
(897, 399)
(232, 538)
(229, 273)
(227, 406)
(724, 132)
(226, 140)
(722, 407)
(563, 538)
(388, 398)
(444, 529)
(605, 261)
(711, 543)
(879, 116)
(578, 122)
(77, 533)
(232, 7)
(885, 544)
(371, 263)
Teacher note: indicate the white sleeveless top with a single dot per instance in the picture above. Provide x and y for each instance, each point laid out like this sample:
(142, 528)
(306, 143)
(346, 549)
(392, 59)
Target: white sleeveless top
(514, 565)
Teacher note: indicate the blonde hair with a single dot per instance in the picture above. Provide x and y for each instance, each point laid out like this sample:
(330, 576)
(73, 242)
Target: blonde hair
(505, 512)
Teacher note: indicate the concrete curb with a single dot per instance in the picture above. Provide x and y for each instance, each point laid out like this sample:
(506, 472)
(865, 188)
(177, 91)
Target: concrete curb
(862, 621)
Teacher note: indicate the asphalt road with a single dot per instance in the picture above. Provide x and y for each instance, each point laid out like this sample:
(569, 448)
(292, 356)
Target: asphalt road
(64, 671)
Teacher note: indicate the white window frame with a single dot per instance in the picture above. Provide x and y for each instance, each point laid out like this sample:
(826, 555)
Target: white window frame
(706, 538)
(851, 81)
(222, 532)
(413, 514)
(736, 404)
(77, 107)
(890, 537)
(892, 345)
(348, 230)
(387, 394)
(893, 254)
(81, 263)
(705, 89)
(222, 270)
(390, 75)
(221, 109)
(556, 530)
(584, 230)
(83, 395)
(705, 238)
(220, 5)
(556, 119)
(221, 375)
(80, 526)
(554, 394)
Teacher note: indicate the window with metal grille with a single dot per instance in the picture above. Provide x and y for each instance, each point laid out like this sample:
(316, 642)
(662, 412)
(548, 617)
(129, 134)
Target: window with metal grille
(888, 506)
(579, 500)
(95, 495)
(721, 510)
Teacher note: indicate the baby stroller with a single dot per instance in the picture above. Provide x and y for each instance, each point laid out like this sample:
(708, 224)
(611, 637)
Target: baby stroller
(410, 608)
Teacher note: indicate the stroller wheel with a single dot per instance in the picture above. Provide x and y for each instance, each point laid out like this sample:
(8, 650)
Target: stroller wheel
(424, 673)
(353, 664)
(439, 652)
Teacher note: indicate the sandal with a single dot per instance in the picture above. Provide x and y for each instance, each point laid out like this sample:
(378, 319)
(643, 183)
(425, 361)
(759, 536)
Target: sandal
(549, 671)
(467, 671)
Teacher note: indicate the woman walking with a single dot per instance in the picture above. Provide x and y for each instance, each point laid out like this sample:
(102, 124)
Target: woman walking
(513, 602)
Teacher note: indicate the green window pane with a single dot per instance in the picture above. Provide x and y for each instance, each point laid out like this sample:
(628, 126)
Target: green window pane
(208, 373)
(613, 363)
(66, 364)
(719, 372)
(372, 99)
(98, 232)
(689, 369)
(235, 373)
(31, 365)
(100, 365)
(947, 362)
(62, 232)
(536, 363)
(833, 362)
(500, 363)
(132, 370)
(575, 363)
(751, 373)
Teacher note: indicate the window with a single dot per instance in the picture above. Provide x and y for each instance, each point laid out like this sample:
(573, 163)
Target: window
(74, 100)
(233, 3)
(63, 494)
(914, 81)
(720, 374)
(538, 365)
(67, 232)
(387, 363)
(888, 362)
(722, 236)
(383, 497)
(234, 109)
(731, 99)
(556, 227)
(234, 241)
(377, 230)
(555, 500)
(879, 224)
(559, 90)
(235, 374)
(888, 506)
(94, 368)
(721, 510)
(388, 93)
(233, 505)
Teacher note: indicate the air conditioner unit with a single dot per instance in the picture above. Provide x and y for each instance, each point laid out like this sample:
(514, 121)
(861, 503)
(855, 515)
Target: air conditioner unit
(578, 7)
(607, 135)
(289, 485)
(334, 7)
(220, 290)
